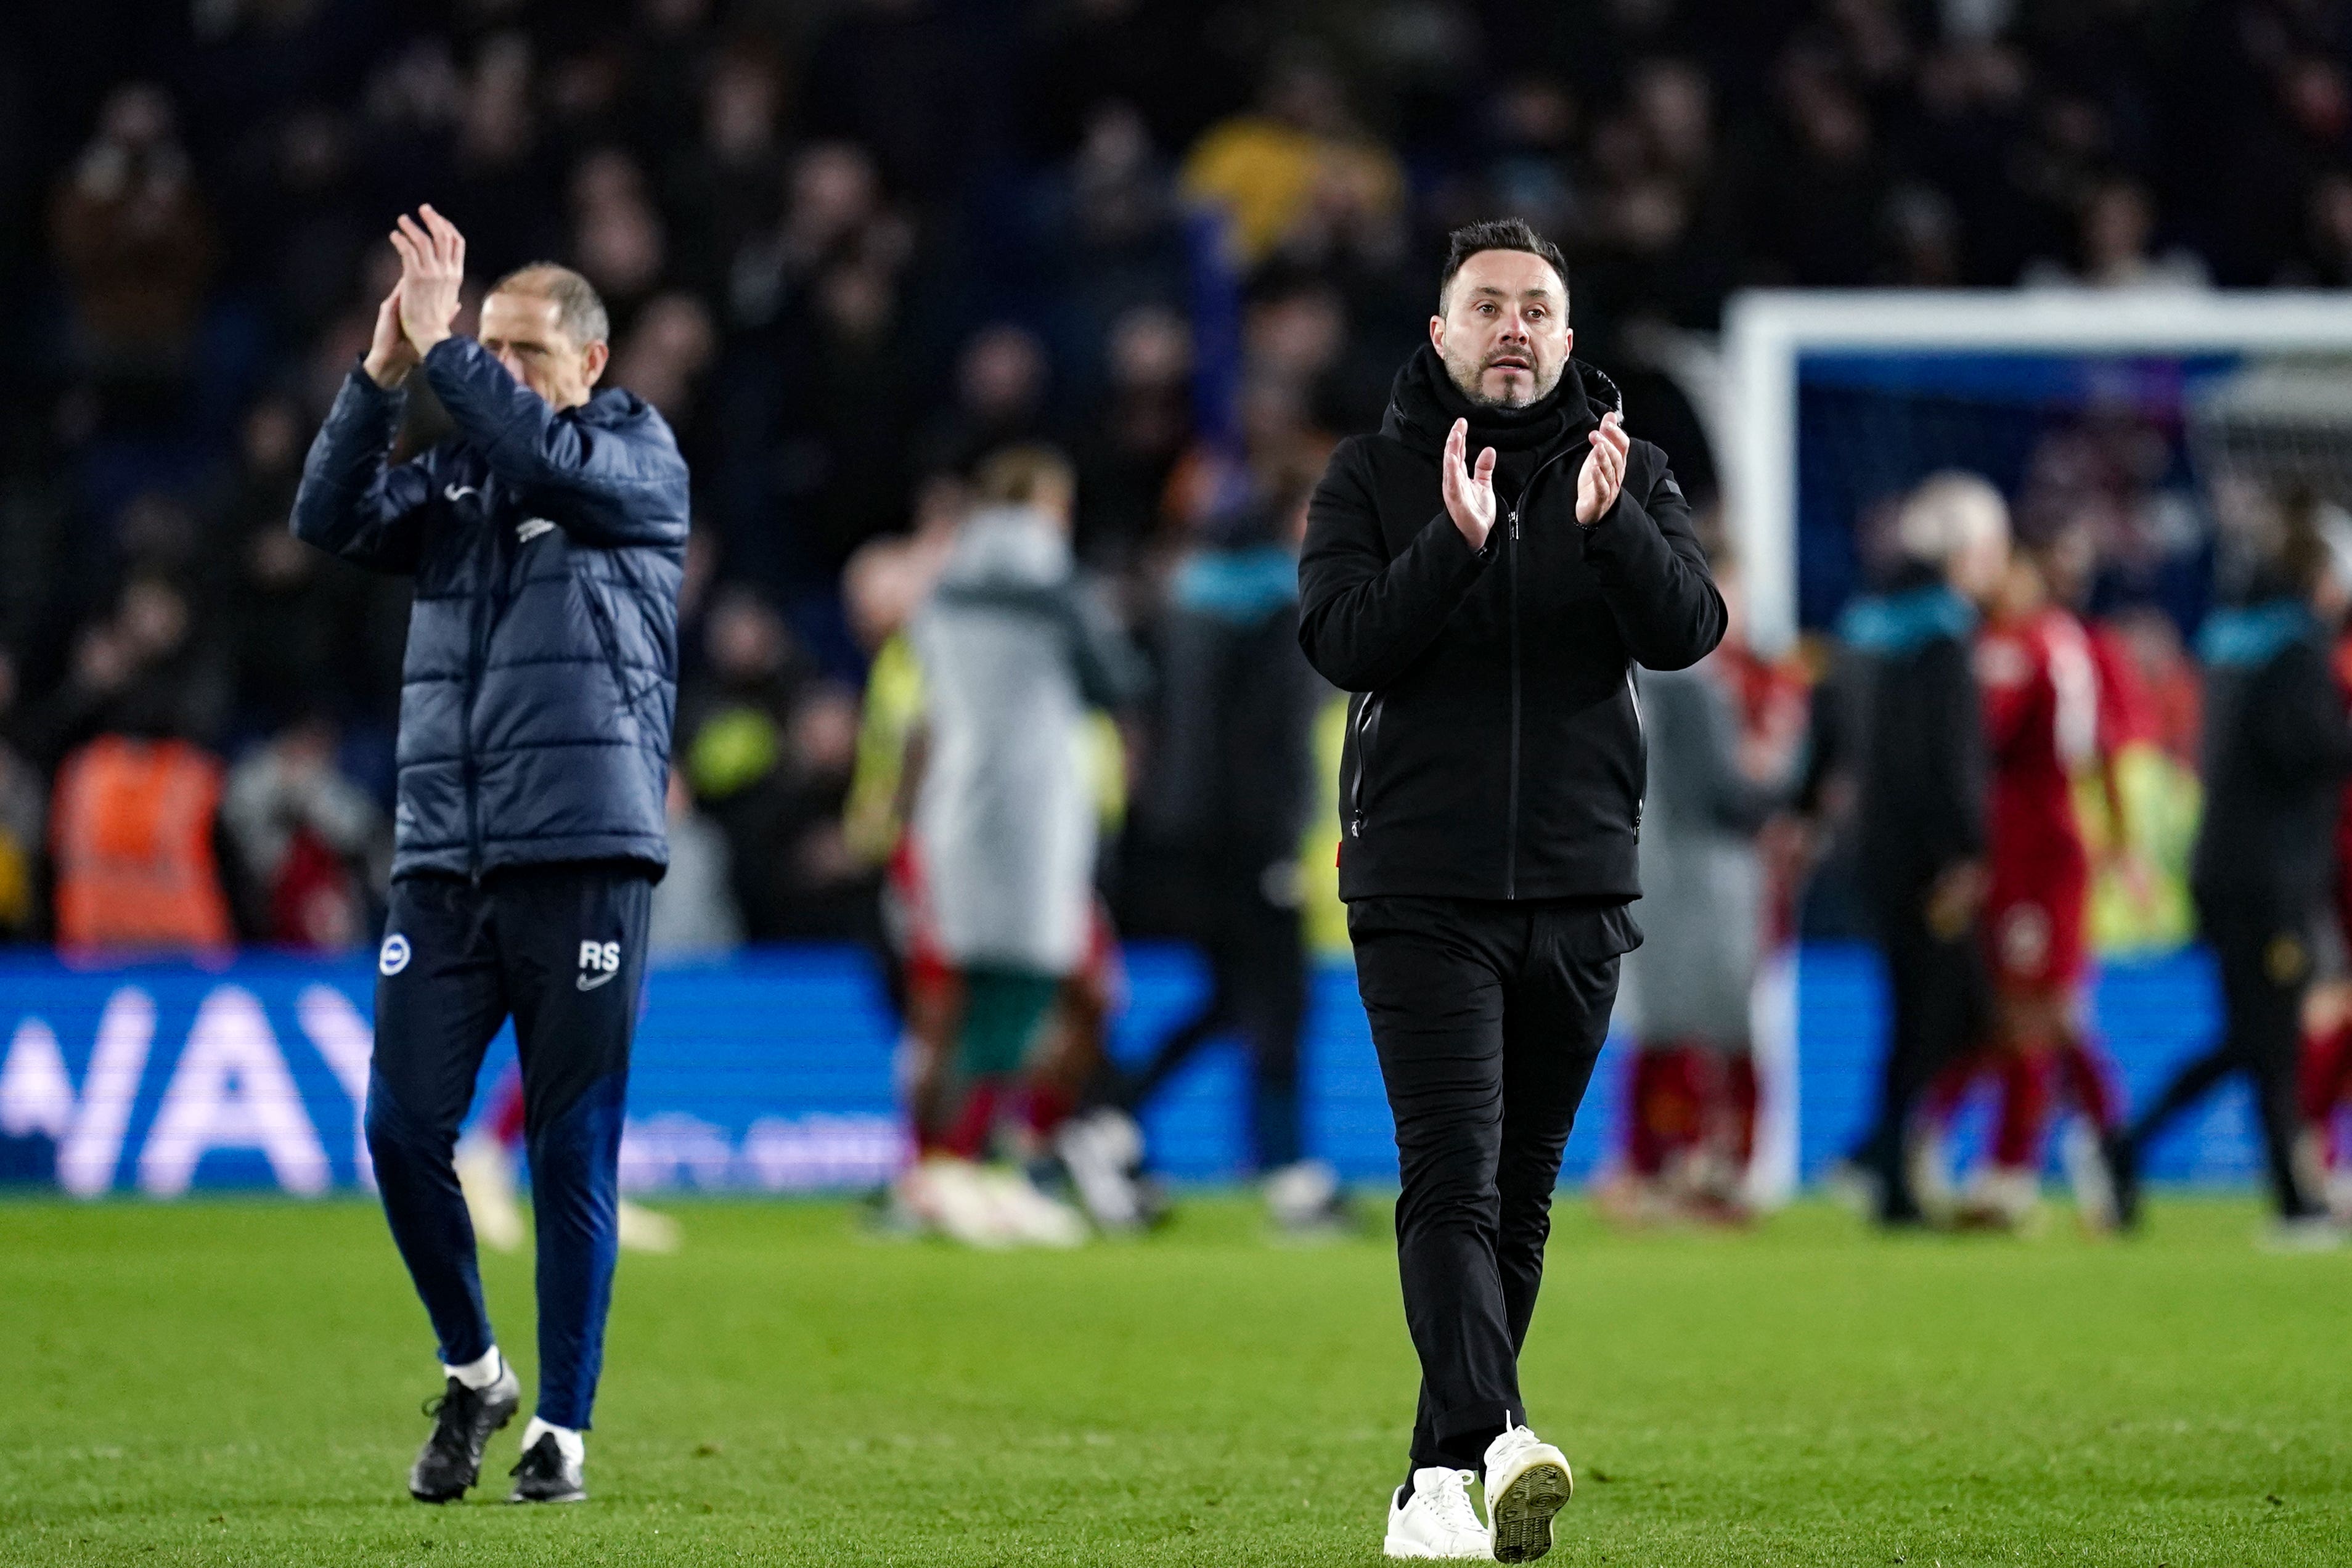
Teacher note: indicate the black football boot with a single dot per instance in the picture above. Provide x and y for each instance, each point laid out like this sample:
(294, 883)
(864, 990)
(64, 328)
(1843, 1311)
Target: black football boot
(464, 1418)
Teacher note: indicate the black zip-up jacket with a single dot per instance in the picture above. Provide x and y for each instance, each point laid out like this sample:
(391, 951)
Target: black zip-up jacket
(2277, 748)
(1495, 743)
(1232, 786)
(1900, 716)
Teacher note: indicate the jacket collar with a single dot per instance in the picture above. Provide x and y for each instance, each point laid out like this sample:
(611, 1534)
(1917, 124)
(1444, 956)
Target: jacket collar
(1423, 404)
(2250, 636)
(1894, 624)
(612, 407)
(1242, 585)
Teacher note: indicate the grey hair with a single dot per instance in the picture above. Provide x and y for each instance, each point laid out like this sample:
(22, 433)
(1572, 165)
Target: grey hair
(1950, 511)
(579, 308)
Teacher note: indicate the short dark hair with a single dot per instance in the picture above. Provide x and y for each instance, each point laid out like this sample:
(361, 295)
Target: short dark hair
(579, 308)
(1498, 234)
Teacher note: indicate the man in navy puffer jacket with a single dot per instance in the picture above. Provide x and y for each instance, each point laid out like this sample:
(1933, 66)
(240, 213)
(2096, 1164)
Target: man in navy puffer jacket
(547, 539)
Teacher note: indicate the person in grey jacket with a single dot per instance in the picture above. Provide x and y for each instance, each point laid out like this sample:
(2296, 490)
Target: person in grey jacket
(1703, 914)
(1227, 801)
(1013, 657)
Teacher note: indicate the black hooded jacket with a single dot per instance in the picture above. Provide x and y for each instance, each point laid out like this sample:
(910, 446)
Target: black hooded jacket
(2276, 752)
(1495, 745)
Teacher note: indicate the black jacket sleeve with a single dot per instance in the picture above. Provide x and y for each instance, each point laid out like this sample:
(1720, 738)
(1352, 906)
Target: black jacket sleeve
(1365, 617)
(1952, 768)
(2296, 720)
(352, 502)
(1654, 575)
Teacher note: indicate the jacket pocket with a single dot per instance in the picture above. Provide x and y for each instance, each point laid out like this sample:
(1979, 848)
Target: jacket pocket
(608, 640)
(1368, 725)
(1597, 935)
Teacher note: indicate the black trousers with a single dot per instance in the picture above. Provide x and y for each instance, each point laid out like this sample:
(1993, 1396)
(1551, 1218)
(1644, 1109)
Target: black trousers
(1256, 951)
(1488, 1017)
(561, 949)
(2262, 944)
(1939, 1007)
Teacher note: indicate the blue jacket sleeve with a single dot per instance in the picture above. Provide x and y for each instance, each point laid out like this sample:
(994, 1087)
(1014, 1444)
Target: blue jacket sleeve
(626, 482)
(353, 502)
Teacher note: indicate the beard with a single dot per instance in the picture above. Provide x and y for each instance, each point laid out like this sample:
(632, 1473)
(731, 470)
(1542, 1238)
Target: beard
(1469, 377)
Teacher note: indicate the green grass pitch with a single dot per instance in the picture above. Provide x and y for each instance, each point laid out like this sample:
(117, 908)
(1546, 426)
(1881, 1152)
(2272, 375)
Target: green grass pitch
(231, 1381)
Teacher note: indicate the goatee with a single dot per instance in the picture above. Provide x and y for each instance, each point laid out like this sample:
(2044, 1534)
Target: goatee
(1470, 381)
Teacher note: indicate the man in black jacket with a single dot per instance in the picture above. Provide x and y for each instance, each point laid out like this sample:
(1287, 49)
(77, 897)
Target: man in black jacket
(2276, 750)
(547, 540)
(1488, 619)
(1900, 717)
(1227, 800)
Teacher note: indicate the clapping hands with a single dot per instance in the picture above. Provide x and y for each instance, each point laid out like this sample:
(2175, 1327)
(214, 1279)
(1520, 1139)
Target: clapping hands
(418, 311)
(1469, 491)
(1604, 471)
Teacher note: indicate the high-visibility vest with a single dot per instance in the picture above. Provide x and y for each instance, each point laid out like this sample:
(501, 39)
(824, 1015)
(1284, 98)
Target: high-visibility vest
(132, 839)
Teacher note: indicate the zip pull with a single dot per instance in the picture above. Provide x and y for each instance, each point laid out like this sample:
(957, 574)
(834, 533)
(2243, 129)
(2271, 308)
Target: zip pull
(1515, 522)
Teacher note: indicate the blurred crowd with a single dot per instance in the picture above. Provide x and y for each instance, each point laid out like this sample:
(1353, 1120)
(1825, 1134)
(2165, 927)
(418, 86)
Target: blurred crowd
(851, 249)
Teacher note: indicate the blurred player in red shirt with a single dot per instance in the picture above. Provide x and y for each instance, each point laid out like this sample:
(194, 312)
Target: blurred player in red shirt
(2043, 682)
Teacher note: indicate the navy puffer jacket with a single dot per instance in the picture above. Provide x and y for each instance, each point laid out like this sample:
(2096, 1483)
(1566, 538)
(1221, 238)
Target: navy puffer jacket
(541, 673)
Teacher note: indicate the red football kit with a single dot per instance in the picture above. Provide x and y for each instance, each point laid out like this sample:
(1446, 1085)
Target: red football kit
(2053, 707)
(2041, 691)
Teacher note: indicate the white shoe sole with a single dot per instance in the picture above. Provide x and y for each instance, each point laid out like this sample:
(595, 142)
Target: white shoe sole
(1520, 1516)
(1406, 1546)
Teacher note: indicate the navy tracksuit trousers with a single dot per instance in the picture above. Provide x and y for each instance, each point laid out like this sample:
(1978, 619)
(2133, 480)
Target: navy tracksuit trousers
(561, 949)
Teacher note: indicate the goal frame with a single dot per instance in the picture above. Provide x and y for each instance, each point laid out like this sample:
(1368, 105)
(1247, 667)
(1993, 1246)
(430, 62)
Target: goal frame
(1766, 332)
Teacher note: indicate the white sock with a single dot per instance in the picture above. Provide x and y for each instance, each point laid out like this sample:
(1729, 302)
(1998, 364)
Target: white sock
(480, 1373)
(574, 1447)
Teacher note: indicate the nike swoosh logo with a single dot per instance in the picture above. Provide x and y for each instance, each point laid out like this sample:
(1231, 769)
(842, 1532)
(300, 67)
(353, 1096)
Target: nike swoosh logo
(453, 494)
(587, 984)
(531, 528)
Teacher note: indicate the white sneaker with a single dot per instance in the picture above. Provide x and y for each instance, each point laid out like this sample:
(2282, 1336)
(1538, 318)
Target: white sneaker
(643, 1230)
(1527, 1481)
(1029, 1216)
(2339, 1193)
(1302, 1194)
(1101, 1151)
(2004, 1197)
(2307, 1233)
(2088, 1174)
(485, 1176)
(1437, 1518)
(1929, 1167)
(947, 1197)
